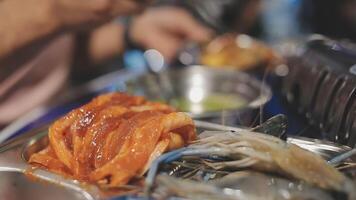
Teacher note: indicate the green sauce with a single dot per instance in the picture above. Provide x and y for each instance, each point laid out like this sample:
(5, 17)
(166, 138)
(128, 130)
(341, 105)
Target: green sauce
(213, 102)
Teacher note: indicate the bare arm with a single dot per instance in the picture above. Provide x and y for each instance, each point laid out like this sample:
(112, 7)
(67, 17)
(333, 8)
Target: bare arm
(24, 27)
(106, 42)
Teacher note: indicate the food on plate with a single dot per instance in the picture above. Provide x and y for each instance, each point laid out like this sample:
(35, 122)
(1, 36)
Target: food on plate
(234, 164)
(242, 185)
(271, 154)
(237, 52)
(112, 139)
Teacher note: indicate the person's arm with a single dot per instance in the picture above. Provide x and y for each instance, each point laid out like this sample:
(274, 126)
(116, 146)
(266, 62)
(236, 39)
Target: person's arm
(26, 25)
(106, 42)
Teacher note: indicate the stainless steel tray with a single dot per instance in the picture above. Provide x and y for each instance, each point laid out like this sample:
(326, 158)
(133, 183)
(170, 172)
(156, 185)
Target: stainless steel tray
(15, 185)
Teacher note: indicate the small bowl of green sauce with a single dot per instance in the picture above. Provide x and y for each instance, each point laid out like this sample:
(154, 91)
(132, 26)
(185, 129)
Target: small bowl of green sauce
(203, 92)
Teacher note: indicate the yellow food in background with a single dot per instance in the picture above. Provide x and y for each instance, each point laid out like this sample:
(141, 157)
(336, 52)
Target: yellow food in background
(241, 52)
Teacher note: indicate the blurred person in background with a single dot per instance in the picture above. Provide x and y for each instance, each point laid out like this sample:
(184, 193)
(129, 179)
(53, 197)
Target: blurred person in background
(39, 43)
(336, 19)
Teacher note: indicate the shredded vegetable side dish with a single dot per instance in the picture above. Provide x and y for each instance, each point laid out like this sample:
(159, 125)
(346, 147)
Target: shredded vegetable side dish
(112, 139)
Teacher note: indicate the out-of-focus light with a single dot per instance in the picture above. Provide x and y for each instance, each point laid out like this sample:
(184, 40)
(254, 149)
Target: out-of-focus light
(197, 79)
(196, 108)
(244, 41)
(353, 69)
(282, 70)
(186, 58)
(234, 192)
(196, 94)
(154, 59)
(134, 60)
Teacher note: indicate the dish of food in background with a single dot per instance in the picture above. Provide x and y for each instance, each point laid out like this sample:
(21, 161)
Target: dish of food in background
(211, 103)
(203, 92)
(237, 52)
(113, 139)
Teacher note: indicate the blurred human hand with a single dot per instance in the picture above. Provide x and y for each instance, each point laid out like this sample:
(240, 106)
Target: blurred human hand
(167, 29)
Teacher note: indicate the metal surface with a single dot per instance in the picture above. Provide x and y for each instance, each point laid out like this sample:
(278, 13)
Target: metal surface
(46, 185)
(327, 150)
(16, 186)
(322, 84)
(200, 79)
(344, 156)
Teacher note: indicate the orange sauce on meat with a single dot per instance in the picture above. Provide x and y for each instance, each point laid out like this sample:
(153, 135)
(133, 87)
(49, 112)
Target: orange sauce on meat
(113, 139)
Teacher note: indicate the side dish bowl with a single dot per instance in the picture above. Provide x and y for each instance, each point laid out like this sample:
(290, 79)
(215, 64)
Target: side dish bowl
(204, 92)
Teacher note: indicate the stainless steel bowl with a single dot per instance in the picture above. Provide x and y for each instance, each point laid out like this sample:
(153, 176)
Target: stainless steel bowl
(195, 83)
